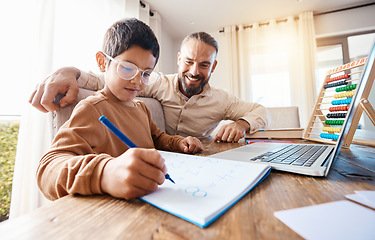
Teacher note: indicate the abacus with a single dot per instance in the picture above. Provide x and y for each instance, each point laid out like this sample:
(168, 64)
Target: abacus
(335, 100)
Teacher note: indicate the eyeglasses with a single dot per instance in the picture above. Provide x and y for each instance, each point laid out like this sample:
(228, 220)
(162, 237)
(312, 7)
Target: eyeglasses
(128, 70)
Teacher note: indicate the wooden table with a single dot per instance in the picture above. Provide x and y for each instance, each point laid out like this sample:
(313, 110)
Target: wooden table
(105, 217)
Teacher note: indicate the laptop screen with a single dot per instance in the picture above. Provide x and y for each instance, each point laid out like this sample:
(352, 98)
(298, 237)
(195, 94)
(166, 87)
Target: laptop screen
(367, 75)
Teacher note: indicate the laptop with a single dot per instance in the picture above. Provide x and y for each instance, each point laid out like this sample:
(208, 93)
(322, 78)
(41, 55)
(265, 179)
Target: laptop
(306, 159)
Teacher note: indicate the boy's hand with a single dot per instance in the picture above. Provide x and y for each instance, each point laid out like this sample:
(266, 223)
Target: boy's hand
(191, 145)
(135, 173)
(63, 81)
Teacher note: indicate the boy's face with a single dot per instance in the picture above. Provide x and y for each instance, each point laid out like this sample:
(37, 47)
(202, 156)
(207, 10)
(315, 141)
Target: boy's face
(127, 90)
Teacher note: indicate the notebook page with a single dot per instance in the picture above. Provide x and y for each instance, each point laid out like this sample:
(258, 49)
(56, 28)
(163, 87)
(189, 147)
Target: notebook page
(205, 187)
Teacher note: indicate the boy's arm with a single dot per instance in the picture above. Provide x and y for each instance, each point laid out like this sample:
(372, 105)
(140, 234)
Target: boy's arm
(191, 145)
(163, 141)
(65, 82)
(81, 161)
(72, 165)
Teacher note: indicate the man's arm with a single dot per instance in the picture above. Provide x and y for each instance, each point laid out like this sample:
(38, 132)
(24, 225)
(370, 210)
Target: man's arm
(65, 82)
(247, 117)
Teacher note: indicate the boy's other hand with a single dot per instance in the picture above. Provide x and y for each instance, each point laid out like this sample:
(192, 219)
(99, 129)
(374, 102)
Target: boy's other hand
(63, 81)
(191, 145)
(133, 174)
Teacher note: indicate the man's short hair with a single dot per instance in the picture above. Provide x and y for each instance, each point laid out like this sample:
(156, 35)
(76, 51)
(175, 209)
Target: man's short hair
(204, 37)
(128, 32)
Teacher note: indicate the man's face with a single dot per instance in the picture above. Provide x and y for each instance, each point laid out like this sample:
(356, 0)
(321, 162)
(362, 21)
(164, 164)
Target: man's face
(196, 62)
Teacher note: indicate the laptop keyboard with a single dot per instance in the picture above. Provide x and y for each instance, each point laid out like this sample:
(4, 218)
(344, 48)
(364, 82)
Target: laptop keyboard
(293, 154)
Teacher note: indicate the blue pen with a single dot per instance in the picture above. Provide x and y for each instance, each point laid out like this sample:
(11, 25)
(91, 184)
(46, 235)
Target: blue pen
(123, 138)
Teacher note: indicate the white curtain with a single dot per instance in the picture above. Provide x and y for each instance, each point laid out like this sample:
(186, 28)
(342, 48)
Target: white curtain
(273, 63)
(33, 137)
(64, 33)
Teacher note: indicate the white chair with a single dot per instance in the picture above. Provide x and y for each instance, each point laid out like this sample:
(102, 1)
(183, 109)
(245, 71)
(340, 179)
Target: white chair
(284, 117)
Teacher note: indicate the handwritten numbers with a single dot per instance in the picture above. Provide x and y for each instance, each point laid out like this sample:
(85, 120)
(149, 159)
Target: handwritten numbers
(195, 192)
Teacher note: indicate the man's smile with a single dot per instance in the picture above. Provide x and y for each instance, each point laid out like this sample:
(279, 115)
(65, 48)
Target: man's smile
(191, 78)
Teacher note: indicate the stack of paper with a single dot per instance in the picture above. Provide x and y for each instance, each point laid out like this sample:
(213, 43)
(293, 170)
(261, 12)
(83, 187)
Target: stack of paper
(277, 133)
(363, 197)
(334, 220)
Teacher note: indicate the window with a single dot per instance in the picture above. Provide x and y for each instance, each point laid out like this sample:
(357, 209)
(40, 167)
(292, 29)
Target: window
(335, 51)
(360, 45)
(45, 35)
(328, 57)
(271, 81)
(276, 96)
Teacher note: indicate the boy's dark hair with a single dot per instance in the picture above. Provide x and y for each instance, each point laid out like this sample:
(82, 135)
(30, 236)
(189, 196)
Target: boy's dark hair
(204, 37)
(128, 32)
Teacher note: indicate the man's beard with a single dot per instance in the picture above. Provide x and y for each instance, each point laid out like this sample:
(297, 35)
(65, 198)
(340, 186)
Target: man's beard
(192, 91)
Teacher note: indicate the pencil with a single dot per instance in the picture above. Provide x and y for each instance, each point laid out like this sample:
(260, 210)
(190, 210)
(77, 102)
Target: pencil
(123, 137)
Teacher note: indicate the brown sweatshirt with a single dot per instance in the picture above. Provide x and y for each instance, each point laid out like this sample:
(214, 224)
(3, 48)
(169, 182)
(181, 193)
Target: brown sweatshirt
(83, 145)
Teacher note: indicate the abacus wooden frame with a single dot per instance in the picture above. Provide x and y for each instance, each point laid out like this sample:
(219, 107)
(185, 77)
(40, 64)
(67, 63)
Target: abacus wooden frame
(359, 104)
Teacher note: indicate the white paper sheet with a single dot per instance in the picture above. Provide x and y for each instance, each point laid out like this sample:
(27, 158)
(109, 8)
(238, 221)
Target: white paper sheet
(335, 220)
(366, 198)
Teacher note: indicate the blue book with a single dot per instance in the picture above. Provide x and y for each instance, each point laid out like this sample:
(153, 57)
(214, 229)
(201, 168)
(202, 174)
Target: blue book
(205, 187)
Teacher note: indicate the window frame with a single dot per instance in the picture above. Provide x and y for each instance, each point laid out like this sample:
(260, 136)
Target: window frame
(340, 39)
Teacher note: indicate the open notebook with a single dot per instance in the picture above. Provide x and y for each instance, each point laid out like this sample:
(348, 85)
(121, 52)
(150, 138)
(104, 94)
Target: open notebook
(205, 187)
(308, 159)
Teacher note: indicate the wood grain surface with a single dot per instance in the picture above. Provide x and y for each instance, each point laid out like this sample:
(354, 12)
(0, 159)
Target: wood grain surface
(105, 217)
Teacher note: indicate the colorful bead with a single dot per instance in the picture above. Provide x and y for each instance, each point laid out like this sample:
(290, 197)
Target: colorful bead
(344, 94)
(346, 75)
(334, 122)
(336, 115)
(331, 129)
(335, 84)
(341, 102)
(329, 136)
(339, 108)
(346, 88)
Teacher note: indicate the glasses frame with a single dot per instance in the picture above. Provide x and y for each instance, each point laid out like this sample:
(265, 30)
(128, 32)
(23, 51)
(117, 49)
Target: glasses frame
(138, 70)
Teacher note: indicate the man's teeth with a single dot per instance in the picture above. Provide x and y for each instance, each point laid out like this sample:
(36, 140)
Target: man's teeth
(193, 79)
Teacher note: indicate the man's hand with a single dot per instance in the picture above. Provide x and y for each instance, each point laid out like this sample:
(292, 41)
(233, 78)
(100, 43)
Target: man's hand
(191, 145)
(232, 132)
(63, 81)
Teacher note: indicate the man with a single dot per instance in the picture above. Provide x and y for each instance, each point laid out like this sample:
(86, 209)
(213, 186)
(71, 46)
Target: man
(191, 106)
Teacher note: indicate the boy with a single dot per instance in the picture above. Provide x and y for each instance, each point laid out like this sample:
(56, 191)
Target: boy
(86, 157)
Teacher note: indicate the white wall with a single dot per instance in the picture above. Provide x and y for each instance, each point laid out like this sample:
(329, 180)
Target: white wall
(219, 78)
(168, 53)
(344, 22)
(331, 24)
